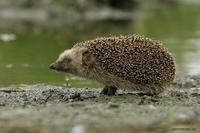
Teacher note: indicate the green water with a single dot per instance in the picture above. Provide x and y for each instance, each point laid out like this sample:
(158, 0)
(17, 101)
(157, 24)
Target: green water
(26, 59)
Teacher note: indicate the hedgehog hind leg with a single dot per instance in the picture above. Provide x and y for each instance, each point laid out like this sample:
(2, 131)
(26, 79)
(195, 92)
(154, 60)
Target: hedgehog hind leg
(156, 89)
(109, 90)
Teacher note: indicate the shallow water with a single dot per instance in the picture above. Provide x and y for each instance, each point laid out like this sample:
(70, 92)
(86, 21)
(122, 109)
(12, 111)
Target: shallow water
(25, 57)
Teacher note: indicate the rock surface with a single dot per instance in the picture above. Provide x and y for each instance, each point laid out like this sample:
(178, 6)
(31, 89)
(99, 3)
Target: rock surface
(47, 109)
(44, 14)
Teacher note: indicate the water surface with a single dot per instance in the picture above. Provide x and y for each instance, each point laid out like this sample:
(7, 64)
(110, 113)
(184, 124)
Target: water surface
(26, 58)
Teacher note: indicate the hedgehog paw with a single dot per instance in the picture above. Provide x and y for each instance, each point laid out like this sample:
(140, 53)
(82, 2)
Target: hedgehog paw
(109, 90)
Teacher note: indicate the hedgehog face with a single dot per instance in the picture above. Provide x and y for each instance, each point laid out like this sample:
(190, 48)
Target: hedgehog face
(69, 61)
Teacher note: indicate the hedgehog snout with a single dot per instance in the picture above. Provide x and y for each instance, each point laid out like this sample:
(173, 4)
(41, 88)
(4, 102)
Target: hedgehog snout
(56, 66)
(53, 66)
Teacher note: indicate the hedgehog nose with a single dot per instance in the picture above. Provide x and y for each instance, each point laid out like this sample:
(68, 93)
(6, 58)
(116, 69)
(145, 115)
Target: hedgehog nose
(52, 66)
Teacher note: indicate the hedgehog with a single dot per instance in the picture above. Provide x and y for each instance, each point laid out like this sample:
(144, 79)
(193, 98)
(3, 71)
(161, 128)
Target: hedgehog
(130, 62)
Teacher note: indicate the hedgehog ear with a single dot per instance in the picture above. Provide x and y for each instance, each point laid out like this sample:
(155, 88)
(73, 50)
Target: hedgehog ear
(87, 59)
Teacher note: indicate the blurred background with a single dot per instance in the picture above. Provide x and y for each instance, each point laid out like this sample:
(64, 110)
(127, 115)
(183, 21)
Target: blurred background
(34, 32)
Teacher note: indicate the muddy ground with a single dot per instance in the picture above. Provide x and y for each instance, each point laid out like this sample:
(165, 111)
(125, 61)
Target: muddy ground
(48, 109)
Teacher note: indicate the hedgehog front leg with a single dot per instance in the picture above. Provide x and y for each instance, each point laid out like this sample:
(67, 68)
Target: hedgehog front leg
(109, 90)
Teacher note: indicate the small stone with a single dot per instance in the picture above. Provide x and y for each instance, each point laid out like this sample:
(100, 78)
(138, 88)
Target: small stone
(74, 96)
(78, 129)
(113, 105)
(152, 107)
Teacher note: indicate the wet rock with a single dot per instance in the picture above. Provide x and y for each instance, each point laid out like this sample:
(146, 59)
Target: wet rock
(113, 105)
(43, 14)
(47, 109)
(145, 100)
(187, 82)
(78, 129)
